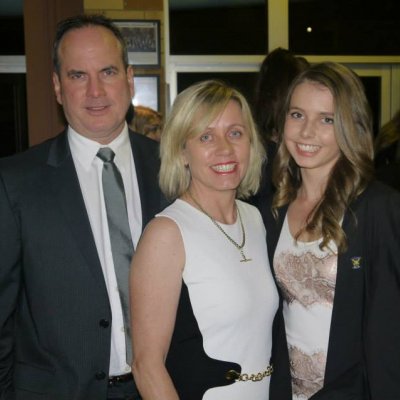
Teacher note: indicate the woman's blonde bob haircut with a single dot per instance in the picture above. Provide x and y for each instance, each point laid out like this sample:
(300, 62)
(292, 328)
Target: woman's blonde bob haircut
(193, 111)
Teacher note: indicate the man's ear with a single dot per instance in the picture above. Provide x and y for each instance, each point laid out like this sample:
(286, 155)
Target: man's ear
(57, 87)
(130, 75)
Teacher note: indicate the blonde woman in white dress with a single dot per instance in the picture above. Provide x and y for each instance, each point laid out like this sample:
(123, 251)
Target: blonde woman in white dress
(203, 296)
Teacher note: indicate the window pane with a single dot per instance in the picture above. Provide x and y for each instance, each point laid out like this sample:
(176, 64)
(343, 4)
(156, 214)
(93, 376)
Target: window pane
(243, 81)
(343, 27)
(12, 36)
(237, 27)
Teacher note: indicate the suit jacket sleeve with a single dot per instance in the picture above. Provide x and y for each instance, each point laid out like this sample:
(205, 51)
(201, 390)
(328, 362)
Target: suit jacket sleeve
(10, 250)
(383, 295)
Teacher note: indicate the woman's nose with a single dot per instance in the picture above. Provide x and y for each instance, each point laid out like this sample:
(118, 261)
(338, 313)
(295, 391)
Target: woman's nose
(308, 129)
(224, 145)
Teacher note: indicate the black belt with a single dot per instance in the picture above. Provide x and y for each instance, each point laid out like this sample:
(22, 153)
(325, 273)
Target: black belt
(112, 380)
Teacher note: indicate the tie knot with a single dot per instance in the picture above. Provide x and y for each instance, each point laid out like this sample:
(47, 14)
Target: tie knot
(106, 154)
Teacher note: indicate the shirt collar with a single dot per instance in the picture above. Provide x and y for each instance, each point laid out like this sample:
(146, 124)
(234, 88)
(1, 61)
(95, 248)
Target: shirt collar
(84, 150)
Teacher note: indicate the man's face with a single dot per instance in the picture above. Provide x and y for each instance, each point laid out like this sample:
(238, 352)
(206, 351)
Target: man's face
(93, 85)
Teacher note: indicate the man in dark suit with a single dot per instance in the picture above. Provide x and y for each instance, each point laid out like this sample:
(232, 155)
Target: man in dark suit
(62, 318)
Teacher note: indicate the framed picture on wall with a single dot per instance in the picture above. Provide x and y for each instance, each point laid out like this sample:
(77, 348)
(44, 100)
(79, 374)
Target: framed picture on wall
(147, 91)
(142, 38)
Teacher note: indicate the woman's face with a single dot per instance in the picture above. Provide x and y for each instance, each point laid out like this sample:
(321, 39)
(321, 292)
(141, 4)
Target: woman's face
(219, 156)
(309, 132)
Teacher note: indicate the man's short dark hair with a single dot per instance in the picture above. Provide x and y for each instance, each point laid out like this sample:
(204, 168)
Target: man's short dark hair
(82, 21)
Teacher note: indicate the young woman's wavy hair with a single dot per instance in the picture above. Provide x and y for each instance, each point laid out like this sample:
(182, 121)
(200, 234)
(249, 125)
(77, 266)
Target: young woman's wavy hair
(192, 112)
(354, 168)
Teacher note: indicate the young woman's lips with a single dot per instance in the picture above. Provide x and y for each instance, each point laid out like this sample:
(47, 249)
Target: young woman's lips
(307, 148)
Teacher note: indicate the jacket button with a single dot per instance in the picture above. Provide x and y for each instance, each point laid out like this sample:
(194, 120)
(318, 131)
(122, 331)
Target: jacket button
(100, 375)
(104, 323)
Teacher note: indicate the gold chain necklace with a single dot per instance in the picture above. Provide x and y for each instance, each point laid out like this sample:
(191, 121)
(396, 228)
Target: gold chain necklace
(219, 227)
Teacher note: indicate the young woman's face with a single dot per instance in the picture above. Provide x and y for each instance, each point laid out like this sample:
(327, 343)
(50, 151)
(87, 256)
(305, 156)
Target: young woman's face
(309, 132)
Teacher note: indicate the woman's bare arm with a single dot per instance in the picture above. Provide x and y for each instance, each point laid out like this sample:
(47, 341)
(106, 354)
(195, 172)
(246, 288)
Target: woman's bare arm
(155, 285)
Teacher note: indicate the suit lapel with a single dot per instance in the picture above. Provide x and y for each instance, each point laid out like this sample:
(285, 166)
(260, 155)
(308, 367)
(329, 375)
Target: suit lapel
(67, 192)
(147, 166)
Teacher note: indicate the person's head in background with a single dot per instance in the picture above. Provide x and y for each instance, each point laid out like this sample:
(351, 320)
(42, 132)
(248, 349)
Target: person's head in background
(147, 122)
(277, 72)
(387, 142)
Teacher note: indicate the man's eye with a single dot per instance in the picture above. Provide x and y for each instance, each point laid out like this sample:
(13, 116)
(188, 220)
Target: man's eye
(109, 72)
(76, 75)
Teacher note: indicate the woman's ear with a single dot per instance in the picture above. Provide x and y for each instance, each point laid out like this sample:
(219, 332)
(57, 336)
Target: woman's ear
(184, 157)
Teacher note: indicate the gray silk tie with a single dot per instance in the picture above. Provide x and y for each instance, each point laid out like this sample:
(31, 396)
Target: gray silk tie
(120, 234)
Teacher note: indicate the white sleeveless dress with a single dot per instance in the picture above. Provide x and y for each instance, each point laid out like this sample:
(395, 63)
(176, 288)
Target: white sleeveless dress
(233, 302)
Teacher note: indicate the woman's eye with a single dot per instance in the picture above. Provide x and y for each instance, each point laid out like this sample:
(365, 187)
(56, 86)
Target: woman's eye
(328, 120)
(295, 115)
(235, 133)
(205, 137)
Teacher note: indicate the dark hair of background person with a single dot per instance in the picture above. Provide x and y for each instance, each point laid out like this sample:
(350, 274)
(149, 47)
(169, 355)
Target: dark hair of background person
(387, 152)
(277, 72)
(387, 142)
(82, 21)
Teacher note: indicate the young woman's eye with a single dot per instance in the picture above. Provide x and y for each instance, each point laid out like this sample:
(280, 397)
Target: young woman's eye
(328, 120)
(295, 115)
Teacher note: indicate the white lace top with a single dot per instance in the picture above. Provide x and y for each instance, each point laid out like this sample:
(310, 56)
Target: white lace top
(307, 278)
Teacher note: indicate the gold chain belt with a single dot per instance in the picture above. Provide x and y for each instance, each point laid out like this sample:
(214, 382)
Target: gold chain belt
(234, 375)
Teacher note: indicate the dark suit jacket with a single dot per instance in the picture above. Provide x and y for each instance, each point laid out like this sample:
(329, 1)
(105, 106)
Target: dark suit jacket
(363, 359)
(55, 314)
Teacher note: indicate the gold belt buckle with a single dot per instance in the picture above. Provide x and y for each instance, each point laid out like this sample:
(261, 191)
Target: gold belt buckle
(233, 375)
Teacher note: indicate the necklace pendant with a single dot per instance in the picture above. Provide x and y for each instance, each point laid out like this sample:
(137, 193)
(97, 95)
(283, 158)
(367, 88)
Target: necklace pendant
(244, 258)
(219, 227)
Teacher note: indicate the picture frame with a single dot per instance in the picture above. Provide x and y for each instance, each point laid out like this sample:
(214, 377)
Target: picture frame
(142, 38)
(147, 91)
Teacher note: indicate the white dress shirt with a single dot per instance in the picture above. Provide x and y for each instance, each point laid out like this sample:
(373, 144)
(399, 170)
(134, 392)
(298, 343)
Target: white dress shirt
(89, 169)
